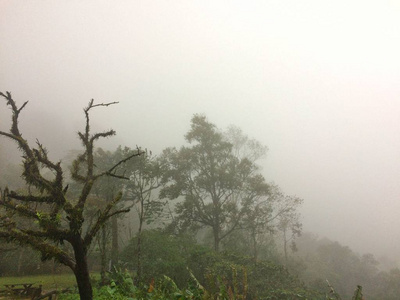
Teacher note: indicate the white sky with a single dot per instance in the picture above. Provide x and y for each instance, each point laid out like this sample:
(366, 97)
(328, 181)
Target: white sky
(317, 81)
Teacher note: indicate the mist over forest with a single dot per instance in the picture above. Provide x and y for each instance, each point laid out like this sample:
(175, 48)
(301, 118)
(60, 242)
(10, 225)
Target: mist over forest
(314, 82)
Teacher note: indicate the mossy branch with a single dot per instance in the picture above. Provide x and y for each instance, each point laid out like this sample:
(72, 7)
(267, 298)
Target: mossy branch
(47, 250)
(48, 231)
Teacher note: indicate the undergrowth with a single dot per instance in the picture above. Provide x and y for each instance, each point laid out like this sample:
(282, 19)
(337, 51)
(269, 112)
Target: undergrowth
(121, 287)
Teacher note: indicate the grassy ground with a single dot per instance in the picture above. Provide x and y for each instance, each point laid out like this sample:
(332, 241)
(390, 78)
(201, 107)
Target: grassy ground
(48, 282)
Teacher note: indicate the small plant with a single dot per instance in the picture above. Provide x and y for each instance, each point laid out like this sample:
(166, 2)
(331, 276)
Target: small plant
(121, 281)
(332, 293)
(358, 293)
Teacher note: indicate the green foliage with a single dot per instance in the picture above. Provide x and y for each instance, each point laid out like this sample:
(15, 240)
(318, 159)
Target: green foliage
(221, 274)
(162, 254)
(121, 287)
(121, 280)
(264, 278)
(217, 186)
(358, 293)
(45, 205)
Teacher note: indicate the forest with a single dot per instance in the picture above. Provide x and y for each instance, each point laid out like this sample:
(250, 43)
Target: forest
(199, 149)
(198, 221)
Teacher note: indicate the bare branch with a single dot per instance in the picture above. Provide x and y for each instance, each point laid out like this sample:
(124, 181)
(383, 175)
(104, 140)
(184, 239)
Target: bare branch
(116, 176)
(112, 169)
(117, 212)
(104, 104)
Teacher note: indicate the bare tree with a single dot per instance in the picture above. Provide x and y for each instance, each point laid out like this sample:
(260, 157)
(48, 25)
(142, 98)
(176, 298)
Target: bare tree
(53, 217)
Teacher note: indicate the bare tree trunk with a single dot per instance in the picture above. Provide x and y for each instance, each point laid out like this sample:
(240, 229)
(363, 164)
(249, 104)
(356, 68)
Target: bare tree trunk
(216, 237)
(285, 247)
(216, 228)
(82, 270)
(114, 242)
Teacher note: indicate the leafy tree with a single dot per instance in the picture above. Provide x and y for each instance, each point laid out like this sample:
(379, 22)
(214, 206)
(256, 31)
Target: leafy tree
(140, 192)
(261, 228)
(108, 187)
(54, 217)
(243, 146)
(105, 190)
(163, 254)
(290, 227)
(288, 220)
(217, 186)
(142, 189)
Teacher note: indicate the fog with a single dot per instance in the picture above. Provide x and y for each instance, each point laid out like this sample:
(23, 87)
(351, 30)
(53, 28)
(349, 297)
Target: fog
(316, 81)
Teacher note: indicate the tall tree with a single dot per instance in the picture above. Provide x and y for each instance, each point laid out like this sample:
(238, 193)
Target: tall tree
(243, 146)
(140, 192)
(217, 186)
(142, 189)
(265, 216)
(259, 210)
(56, 218)
(289, 224)
(274, 213)
(106, 189)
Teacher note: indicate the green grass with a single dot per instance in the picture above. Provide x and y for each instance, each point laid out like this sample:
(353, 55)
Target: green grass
(48, 281)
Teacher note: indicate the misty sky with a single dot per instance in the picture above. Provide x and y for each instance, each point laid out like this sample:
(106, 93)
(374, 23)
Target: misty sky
(316, 81)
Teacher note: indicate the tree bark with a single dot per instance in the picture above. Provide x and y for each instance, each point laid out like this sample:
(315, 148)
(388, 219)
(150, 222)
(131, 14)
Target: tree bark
(285, 247)
(216, 237)
(82, 270)
(216, 225)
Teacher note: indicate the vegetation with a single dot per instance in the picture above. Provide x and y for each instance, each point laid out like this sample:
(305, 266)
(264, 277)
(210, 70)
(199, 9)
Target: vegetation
(207, 225)
(43, 216)
(144, 182)
(220, 184)
(48, 281)
(319, 260)
(175, 267)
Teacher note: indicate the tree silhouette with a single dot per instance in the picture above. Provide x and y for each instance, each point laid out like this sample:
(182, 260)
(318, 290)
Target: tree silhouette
(44, 217)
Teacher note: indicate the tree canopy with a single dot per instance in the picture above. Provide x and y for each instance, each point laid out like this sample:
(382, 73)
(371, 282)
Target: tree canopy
(218, 187)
